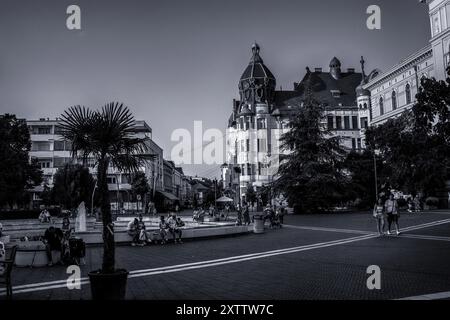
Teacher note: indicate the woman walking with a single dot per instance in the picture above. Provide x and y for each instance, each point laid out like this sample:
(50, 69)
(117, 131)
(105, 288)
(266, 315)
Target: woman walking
(378, 214)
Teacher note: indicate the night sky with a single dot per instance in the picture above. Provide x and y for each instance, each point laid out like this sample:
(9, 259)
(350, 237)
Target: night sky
(176, 61)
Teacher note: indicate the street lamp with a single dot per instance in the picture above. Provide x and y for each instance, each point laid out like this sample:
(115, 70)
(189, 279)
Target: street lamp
(92, 202)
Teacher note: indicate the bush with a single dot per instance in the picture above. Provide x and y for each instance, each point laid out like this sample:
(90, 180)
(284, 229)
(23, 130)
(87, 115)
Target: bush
(432, 201)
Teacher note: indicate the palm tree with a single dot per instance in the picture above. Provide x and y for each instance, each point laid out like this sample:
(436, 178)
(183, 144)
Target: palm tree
(107, 136)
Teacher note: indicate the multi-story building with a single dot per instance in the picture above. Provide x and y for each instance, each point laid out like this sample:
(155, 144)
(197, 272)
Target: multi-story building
(53, 152)
(263, 114)
(392, 92)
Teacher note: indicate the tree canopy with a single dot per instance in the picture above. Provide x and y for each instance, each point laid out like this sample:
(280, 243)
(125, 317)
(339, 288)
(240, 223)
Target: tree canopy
(415, 147)
(17, 172)
(311, 174)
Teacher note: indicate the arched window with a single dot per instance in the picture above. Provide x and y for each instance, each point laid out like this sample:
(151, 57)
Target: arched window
(394, 100)
(381, 106)
(408, 93)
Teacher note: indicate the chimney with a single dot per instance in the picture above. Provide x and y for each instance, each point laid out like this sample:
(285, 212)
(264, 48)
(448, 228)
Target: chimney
(351, 70)
(318, 70)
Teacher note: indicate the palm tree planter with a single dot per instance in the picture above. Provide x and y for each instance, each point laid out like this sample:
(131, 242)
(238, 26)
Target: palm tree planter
(107, 136)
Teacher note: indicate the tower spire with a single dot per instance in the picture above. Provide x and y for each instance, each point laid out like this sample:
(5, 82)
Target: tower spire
(363, 80)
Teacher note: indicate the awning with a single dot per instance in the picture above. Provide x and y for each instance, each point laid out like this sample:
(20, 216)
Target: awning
(168, 195)
(224, 199)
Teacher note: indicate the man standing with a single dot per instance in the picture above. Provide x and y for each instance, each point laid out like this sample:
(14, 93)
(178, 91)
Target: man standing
(391, 209)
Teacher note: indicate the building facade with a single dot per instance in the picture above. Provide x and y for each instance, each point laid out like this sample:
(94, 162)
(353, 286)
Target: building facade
(392, 92)
(263, 114)
(53, 152)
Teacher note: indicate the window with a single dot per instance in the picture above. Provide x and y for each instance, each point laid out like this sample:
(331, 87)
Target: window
(330, 122)
(261, 123)
(259, 168)
(111, 180)
(364, 123)
(381, 106)
(58, 146)
(354, 122)
(353, 143)
(262, 145)
(436, 24)
(249, 169)
(59, 162)
(408, 93)
(44, 130)
(346, 122)
(45, 163)
(247, 123)
(247, 145)
(447, 47)
(359, 143)
(394, 100)
(335, 93)
(338, 123)
(40, 146)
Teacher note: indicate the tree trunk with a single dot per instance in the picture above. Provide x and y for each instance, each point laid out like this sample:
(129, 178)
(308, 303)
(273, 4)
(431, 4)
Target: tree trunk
(108, 231)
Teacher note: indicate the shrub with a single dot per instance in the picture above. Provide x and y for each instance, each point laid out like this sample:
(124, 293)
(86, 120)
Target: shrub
(432, 201)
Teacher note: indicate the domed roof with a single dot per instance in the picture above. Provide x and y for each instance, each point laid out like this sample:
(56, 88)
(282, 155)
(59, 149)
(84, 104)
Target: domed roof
(245, 110)
(360, 91)
(335, 63)
(256, 67)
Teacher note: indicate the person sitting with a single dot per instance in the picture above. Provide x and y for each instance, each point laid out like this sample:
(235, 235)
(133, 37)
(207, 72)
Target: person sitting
(175, 224)
(44, 216)
(163, 229)
(132, 230)
(199, 215)
(141, 230)
(180, 224)
(53, 238)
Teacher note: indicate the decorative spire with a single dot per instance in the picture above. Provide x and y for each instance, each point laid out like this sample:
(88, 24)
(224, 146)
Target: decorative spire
(363, 80)
(256, 58)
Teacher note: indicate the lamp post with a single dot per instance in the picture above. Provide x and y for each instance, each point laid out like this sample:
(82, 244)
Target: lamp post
(92, 202)
(267, 165)
(375, 173)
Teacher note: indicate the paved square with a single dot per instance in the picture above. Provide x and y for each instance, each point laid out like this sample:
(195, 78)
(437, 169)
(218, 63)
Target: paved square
(312, 257)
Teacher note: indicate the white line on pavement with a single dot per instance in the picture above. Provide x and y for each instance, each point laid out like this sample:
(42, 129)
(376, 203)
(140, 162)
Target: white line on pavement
(431, 296)
(328, 229)
(424, 237)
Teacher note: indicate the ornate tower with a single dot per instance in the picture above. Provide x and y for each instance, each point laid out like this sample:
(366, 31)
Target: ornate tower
(335, 68)
(257, 85)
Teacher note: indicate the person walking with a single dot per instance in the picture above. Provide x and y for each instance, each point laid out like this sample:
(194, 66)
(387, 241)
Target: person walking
(391, 209)
(246, 214)
(378, 214)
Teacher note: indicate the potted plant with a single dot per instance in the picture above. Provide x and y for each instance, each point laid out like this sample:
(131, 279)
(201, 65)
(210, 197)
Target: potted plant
(106, 135)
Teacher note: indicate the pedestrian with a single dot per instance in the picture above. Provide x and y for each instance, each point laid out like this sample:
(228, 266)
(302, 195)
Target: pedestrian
(417, 203)
(378, 214)
(178, 229)
(391, 209)
(163, 229)
(141, 230)
(246, 214)
(132, 229)
(239, 217)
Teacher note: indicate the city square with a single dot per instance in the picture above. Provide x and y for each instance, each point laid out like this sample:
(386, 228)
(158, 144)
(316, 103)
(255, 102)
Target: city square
(196, 151)
(311, 257)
